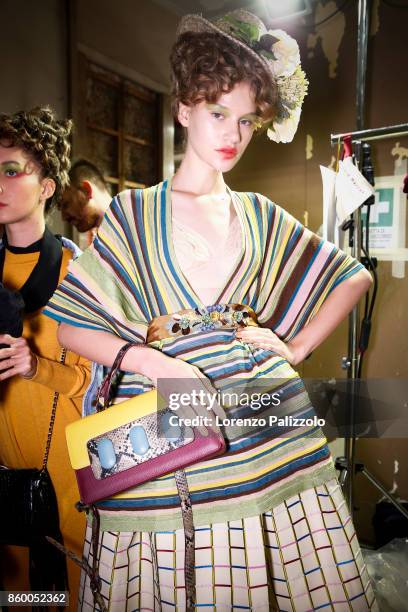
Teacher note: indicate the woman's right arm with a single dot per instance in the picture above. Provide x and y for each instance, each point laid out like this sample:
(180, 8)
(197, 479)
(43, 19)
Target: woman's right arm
(103, 347)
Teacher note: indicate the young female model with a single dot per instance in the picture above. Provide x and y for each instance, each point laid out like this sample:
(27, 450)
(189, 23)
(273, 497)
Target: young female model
(34, 163)
(209, 282)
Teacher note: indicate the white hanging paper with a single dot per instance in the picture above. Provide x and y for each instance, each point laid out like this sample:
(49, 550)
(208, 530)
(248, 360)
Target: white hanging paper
(351, 189)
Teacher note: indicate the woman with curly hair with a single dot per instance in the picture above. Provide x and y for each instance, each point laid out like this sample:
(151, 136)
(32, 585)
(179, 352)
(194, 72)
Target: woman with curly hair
(34, 164)
(207, 282)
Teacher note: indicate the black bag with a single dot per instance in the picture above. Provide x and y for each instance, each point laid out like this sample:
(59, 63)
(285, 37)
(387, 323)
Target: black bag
(30, 513)
(29, 506)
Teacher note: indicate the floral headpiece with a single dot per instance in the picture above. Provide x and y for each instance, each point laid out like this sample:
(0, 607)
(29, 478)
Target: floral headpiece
(275, 50)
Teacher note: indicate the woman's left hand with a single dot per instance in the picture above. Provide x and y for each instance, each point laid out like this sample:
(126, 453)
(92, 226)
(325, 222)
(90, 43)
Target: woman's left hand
(17, 358)
(262, 337)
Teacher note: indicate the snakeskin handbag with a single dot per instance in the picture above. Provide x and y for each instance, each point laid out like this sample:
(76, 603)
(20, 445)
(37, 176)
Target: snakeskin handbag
(132, 442)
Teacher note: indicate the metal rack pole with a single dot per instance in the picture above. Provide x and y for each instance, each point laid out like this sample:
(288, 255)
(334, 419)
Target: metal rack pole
(355, 239)
(372, 134)
(362, 46)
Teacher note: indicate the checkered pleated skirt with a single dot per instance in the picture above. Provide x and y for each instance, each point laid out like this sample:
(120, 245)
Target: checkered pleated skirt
(302, 555)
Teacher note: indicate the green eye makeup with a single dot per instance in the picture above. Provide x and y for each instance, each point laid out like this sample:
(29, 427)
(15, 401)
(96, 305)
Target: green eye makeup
(251, 119)
(216, 108)
(11, 169)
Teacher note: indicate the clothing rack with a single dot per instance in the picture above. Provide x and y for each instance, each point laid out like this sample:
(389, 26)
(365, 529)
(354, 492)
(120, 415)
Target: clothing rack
(372, 134)
(347, 464)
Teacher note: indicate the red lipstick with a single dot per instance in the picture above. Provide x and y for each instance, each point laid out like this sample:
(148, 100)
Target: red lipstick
(227, 152)
(3, 204)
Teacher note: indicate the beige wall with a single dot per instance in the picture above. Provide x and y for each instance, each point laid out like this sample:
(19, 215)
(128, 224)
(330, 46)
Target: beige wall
(33, 52)
(33, 55)
(139, 41)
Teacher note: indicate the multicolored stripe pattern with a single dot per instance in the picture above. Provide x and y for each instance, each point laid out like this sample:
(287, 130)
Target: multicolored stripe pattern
(301, 556)
(130, 275)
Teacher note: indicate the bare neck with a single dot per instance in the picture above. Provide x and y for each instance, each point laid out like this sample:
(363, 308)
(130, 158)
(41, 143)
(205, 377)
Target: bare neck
(24, 233)
(195, 177)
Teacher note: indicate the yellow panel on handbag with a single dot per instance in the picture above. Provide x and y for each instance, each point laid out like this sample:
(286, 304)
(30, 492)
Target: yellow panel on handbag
(80, 432)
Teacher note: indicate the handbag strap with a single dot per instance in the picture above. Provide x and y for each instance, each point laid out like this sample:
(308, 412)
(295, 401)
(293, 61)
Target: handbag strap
(104, 389)
(53, 413)
(92, 572)
(189, 538)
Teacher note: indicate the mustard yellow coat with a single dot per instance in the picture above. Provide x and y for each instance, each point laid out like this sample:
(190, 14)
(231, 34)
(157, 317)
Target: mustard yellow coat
(25, 408)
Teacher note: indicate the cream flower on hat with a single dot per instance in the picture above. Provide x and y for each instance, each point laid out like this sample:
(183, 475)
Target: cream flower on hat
(286, 53)
(284, 130)
(292, 90)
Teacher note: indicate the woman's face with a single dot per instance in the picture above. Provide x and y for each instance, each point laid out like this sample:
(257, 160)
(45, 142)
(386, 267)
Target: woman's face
(218, 134)
(22, 189)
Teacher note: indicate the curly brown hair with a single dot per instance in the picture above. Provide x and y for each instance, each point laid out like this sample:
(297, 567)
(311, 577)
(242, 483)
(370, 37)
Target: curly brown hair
(206, 65)
(45, 139)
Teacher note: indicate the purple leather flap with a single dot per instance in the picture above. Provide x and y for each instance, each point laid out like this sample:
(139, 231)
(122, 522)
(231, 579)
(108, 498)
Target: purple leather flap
(92, 489)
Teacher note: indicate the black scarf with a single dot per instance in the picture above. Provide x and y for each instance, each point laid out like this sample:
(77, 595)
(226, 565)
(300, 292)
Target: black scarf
(43, 280)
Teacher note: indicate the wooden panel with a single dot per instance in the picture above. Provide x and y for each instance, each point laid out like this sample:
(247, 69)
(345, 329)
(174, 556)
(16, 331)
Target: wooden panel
(140, 118)
(139, 163)
(103, 150)
(120, 127)
(102, 104)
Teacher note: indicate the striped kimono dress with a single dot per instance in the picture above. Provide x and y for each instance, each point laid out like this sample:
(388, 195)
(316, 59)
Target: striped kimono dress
(272, 528)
